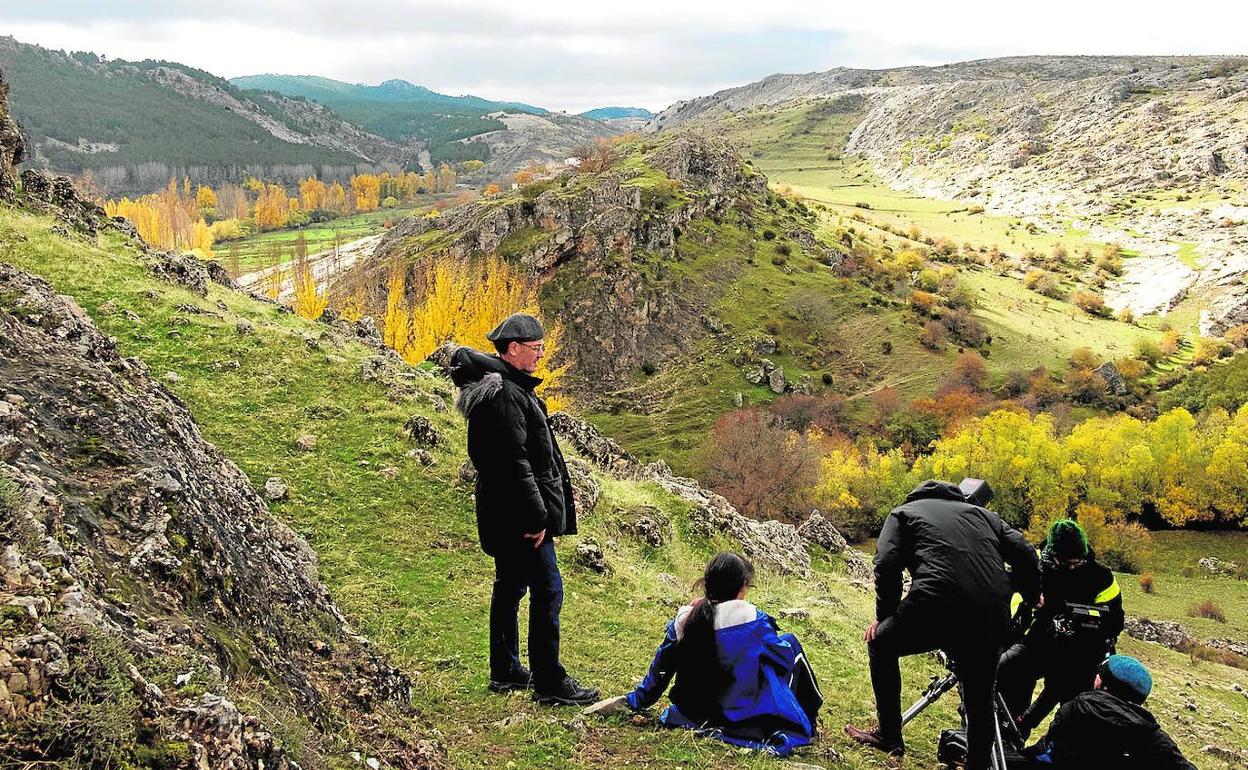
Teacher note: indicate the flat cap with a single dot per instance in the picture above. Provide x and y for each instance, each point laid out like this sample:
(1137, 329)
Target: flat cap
(521, 327)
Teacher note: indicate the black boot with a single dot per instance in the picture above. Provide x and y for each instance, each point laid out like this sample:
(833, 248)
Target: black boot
(569, 692)
(519, 679)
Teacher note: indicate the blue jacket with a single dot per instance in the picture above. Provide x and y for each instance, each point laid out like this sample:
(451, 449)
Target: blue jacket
(760, 708)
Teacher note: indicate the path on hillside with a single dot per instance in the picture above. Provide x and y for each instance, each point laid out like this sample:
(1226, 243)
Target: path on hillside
(324, 265)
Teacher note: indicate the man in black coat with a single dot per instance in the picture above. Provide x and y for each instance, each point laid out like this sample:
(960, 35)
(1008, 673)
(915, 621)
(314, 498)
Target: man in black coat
(524, 500)
(956, 552)
(1108, 728)
(1063, 647)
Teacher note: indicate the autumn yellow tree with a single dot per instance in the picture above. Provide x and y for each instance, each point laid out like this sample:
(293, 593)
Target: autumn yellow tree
(336, 199)
(446, 178)
(491, 189)
(312, 192)
(366, 191)
(396, 324)
(272, 207)
(310, 302)
(206, 198)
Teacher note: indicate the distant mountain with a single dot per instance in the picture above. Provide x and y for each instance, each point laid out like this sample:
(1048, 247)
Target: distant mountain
(398, 110)
(611, 113)
(136, 123)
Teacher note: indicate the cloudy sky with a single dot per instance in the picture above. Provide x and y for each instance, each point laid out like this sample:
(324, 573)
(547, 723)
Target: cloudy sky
(578, 54)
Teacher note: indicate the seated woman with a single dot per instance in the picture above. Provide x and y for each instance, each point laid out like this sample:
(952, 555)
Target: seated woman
(737, 678)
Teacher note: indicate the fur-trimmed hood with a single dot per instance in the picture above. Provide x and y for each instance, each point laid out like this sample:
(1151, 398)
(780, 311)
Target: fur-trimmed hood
(480, 378)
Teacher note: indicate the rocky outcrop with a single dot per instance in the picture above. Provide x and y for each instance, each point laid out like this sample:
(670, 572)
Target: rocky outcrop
(12, 149)
(605, 243)
(142, 578)
(772, 544)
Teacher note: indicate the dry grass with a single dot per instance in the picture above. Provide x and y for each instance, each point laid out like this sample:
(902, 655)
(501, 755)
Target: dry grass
(1207, 609)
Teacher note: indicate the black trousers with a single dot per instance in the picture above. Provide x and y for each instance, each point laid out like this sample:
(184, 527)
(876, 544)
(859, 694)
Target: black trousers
(518, 570)
(974, 645)
(1067, 670)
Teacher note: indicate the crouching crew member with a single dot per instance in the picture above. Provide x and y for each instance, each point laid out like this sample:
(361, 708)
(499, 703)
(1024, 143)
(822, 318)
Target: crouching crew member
(1108, 728)
(1075, 627)
(956, 552)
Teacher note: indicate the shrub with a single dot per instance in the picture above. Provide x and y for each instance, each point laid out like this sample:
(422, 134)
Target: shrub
(1126, 316)
(863, 205)
(933, 335)
(1148, 350)
(1042, 283)
(762, 467)
(648, 368)
(966, 327)
(784, 249)
(886, 347)
(778, 260)
(1089, 302)
(923, 301)
(769, 235)
(1207, 609)
(1147, 584)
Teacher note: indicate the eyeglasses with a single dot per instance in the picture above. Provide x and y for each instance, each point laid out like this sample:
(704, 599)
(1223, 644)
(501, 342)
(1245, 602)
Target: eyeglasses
(538, 348)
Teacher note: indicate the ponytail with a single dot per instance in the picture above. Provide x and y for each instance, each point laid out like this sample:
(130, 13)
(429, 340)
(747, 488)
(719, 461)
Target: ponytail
(700, 669)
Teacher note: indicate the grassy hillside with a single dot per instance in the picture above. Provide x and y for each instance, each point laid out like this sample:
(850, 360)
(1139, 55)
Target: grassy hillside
(59, 99)
(397, 548)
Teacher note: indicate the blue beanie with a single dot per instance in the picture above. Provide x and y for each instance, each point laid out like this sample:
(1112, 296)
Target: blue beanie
(1126, 677)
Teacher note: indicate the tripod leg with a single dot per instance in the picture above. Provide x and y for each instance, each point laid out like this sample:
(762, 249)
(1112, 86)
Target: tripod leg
(929, 696)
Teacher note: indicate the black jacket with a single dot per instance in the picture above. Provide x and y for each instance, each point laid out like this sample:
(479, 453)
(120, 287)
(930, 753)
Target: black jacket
(956, 553)
(1100, 730)
(523, 484)
(1090, 583)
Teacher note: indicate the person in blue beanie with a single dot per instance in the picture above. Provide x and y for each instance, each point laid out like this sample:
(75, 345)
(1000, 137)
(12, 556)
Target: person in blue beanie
(1108, 728)
(738, 678)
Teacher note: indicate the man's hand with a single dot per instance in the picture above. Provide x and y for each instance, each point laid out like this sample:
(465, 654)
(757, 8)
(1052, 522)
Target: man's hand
(538, 538)
(869, 636)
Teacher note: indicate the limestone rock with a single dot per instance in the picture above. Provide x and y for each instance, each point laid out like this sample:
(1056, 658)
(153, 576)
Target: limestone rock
(1164, 632)
(306, 443)
(585, 488)
(275, 489)
(777, 382)
(859, 568)
(589, 555)
(1216, 567)
(421, 430)
(1116, 382)
(244, 328)
(645, 523)
(819, 531)
(422, 456)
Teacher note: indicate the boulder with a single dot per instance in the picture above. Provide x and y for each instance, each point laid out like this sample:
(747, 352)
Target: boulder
(1113, 379)
(1212, 565)
(181, 269)
(275, 489)
(817, 530)
(306, 443)
(859, 568)
(1164, 632)
(589, 555)
(421, 430)
(777, 382)
(244, 328)
(645, 523)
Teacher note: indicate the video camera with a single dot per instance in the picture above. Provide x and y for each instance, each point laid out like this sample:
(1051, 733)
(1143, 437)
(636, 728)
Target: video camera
(1079, 619)
(977, 491)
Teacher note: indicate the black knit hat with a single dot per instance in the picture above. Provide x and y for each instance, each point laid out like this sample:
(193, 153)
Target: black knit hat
(1067, 540)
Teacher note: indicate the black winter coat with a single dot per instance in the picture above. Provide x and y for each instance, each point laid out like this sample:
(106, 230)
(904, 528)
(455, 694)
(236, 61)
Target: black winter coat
(956, 553)
(523, 484)
(1100, 730)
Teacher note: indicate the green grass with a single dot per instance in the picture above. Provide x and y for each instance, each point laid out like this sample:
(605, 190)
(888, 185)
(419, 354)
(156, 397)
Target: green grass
(256, 251)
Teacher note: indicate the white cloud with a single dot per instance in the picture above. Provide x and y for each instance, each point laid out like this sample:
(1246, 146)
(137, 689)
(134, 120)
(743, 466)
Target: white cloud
(576, 54)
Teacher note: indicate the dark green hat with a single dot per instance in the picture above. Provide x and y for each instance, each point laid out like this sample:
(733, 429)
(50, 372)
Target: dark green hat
(520, 327)
(1067, 539)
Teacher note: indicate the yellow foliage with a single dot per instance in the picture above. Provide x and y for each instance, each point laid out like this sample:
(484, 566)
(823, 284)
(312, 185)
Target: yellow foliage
(366, 191)
(272, 207)
(312, 192)
(336, 199)
(309, 302)
(205, 197)
(460, 300)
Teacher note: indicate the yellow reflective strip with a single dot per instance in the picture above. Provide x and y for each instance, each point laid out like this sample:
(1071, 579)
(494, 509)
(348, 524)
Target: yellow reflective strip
(1108, 594)
(1094, 613)
(1015, 602)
